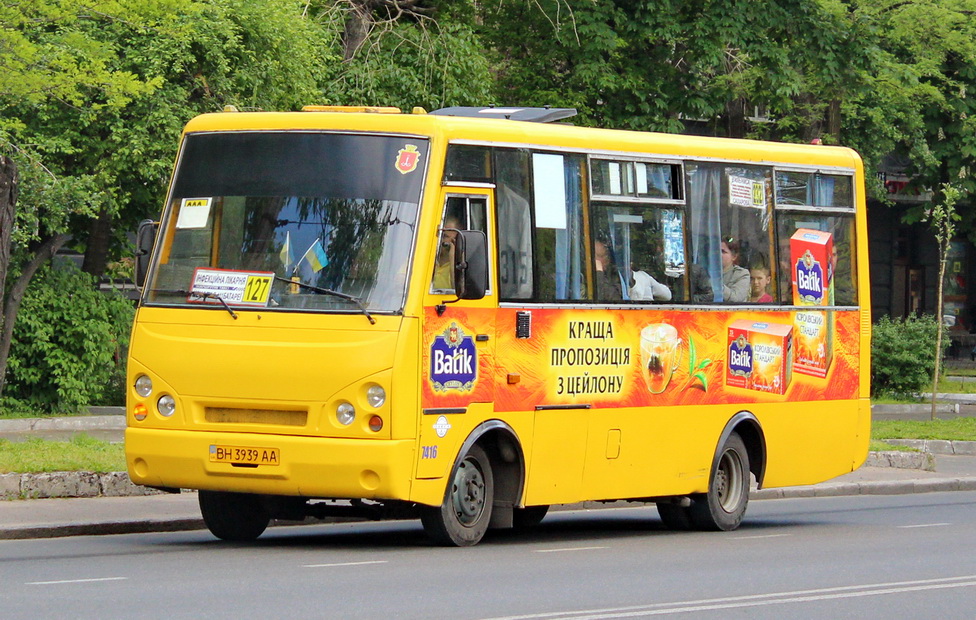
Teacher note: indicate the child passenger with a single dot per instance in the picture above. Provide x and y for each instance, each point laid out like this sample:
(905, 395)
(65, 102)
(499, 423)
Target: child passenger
(760, 279)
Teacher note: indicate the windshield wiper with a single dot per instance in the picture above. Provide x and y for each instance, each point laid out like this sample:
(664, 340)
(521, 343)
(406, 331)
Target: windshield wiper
(200, 296)
(206, 296)
(327, 291)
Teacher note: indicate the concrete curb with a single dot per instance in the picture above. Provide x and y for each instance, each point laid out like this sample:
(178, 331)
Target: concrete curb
(937, 446)
(901, 460)
(102, 529)
(69, 484)
(921, 408)
(884, 487)
(77, 423)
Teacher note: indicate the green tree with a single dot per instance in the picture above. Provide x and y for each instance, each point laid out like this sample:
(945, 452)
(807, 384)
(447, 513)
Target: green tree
(70, 343)
(882, 76)
(48, 57)
(942, 219)
(405, 53)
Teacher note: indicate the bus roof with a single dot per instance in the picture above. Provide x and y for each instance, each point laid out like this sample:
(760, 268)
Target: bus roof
(500, 131)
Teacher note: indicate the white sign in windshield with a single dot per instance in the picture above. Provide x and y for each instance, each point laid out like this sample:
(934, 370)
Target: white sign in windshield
(237, 288)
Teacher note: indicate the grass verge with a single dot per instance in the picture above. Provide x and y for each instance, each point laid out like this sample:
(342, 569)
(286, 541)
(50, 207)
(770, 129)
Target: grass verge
(877, 445)
(81, 453)
(957, 387)
(957, 429)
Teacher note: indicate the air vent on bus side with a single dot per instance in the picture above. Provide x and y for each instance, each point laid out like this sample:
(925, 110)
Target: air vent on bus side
(533, 115)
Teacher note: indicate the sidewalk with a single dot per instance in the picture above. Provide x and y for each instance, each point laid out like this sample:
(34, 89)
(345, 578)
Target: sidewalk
(886, 473)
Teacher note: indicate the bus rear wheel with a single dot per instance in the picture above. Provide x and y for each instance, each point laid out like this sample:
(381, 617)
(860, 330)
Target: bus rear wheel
(233, 516)
(723, 507)
(462, 519)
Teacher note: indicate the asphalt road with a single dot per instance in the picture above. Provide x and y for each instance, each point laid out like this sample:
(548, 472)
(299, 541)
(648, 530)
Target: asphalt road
(901, 556)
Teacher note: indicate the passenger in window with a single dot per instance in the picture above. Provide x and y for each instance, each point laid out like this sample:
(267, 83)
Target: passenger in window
(607, 279)
(759, 278)
(643, 287)
(735, 279)
(444, 261)
(701, 285)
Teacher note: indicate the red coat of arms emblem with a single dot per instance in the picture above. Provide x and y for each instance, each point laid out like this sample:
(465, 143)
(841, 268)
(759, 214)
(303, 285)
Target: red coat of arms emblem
(407, 159)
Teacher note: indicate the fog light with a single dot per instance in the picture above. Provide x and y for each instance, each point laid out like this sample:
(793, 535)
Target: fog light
(345, 414)
(375, 396)
(140, 411)
(143, 386)
(166, 405)
(375, 423)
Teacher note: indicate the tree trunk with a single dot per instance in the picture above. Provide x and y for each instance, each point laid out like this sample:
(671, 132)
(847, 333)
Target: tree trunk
(833, 120)
(11, 306)
(8, 205)
(356, 28)
(943, 251)
(735, 118)
(99, 239)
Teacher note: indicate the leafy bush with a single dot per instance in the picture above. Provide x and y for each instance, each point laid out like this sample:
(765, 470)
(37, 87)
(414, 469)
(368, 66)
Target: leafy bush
(903, 355)
(69, 344)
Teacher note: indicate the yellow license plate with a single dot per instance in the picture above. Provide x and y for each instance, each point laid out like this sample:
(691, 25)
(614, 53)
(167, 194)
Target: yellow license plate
(240, 455)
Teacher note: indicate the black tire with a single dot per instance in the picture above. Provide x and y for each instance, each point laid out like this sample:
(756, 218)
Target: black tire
(233, 516)
(530, 516)
(723, 507)
(675, 517)
(462, 519)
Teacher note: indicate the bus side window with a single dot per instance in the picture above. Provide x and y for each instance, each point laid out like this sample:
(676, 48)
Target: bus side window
(730, 209)
(514, 224)
(455, 218)
(558, 242)
(841, 227)
(639, 253)
(833, 196)
(460, 213)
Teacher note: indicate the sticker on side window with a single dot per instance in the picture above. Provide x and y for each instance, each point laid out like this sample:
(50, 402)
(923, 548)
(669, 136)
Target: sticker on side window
(194, 213)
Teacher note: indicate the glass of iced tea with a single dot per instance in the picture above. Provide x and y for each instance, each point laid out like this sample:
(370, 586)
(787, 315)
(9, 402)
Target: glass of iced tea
(659, 355)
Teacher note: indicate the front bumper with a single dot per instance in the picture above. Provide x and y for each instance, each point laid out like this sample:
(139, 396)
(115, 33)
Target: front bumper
(313, 467)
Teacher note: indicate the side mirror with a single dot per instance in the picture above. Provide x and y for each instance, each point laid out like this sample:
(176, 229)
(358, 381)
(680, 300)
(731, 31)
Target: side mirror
(145, 238)
(471, 265)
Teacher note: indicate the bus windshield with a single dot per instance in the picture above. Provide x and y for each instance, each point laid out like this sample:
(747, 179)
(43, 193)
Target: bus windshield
(305, 214)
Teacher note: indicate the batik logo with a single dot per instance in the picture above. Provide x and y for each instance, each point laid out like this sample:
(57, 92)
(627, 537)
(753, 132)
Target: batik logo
(453, 361)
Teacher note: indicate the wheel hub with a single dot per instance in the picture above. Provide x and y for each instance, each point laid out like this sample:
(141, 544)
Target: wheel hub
(468, 493)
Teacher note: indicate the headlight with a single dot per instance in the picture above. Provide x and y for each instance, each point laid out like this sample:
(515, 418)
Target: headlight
(345, 414)
(166, 405)
(143, 386)
(375, 396)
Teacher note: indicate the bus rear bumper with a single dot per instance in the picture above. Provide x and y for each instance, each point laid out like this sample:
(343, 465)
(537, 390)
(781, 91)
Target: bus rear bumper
(313, 467)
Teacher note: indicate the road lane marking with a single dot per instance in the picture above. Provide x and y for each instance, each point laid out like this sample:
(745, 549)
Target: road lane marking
(345, 564)
(760, 536)
(755, 600)
(908, 527)
(567, 549)
(51, 583)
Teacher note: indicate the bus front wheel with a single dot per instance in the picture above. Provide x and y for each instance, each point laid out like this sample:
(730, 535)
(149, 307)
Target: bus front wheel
(723, 507)
(233, 516)
(462, 519)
